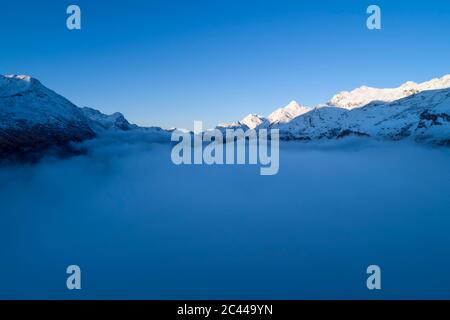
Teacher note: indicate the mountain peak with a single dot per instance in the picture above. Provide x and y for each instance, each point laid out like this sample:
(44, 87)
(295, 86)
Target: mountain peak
(253, 121)
(364, 95)
(287, 113)
(15, 84)
(409, 84)
(33, 118)
(101, 122)
(293, 105)
(18, 77)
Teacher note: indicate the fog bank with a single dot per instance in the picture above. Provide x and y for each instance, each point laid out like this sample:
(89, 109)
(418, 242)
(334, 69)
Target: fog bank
(142, 227)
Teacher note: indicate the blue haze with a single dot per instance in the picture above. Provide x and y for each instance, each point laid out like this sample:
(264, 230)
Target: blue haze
(142, 228)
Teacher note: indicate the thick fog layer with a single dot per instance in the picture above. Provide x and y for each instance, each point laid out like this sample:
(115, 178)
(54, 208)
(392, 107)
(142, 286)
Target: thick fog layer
(142, 227)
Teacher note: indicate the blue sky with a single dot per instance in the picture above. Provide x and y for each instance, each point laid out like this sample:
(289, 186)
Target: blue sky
(171, 62)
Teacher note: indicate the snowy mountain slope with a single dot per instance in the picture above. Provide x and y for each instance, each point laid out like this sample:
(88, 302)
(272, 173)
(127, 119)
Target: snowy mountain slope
(232, 125)
(316, 124)
(100, 122)
(115, 123)
(223, 127)
(24, 101)
(253, 121)
(279, 116)
(365, 95)
(34, 118)
(416, 111)
(423, 117)
(286, 114)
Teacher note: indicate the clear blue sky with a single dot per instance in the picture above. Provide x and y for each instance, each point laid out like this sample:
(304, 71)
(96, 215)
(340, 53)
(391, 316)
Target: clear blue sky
(170, 62)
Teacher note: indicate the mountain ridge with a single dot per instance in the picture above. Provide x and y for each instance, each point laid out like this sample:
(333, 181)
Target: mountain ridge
(413, 110)
(364, 95)
(423, 117)
(34, 119)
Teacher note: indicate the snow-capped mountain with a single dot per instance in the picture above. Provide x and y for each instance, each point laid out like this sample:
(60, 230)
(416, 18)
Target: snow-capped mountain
(232, 125)
(100, 122)
(365, 95)
(286, 114)
(25, 102)
(417, 111)
(423, 116)
(34, 119)
(253, 121)
(279, 116)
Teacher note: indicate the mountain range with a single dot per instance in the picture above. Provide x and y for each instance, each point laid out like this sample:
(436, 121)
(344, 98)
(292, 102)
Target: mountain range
(34, 119)
(419, 112)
